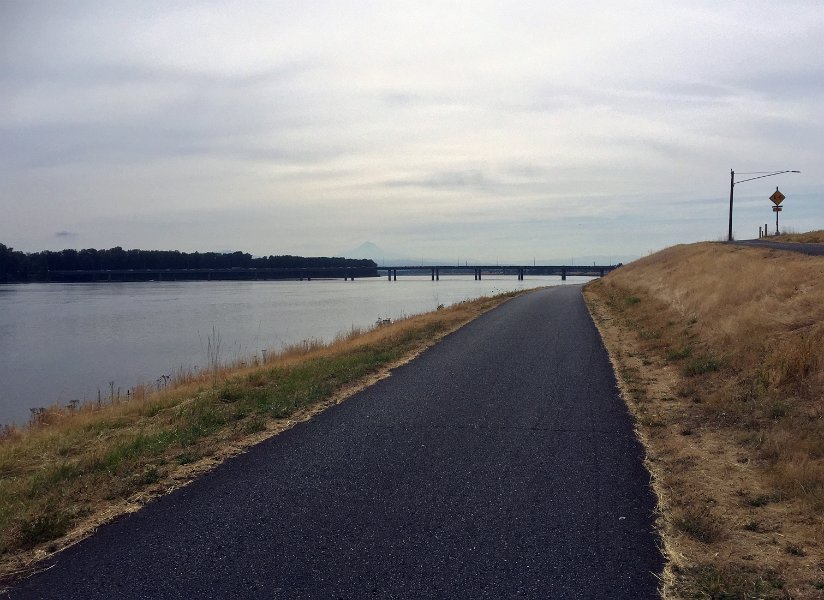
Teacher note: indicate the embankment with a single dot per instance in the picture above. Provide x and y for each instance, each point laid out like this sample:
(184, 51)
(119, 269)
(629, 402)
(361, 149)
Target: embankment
(78, 467)
(720, 353)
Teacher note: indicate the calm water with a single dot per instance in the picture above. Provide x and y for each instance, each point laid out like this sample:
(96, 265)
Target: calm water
(60, 342)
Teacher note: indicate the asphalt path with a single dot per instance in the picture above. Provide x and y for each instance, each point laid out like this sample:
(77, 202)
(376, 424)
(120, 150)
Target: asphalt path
(501, 463)
(813, 249)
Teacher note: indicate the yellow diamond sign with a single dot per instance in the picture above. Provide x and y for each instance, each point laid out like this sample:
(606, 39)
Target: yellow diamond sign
(777, 197)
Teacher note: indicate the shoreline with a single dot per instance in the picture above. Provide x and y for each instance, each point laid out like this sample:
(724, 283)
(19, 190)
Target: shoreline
(77, 469)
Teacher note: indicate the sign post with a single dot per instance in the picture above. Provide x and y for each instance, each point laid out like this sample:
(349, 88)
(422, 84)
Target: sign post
(760, 175)
(777, 198)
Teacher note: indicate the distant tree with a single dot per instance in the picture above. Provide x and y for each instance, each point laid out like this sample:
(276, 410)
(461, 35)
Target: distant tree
(9, 264)
(18, 266)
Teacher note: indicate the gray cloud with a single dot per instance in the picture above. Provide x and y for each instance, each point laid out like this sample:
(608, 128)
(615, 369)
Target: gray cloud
(312, 127)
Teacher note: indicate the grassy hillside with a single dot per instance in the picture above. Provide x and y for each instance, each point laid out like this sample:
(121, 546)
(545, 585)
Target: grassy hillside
(811, 237)
(720, 352)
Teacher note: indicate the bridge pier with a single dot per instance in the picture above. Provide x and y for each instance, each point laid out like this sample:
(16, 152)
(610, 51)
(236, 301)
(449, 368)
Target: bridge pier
(563, 274)
(520, 274)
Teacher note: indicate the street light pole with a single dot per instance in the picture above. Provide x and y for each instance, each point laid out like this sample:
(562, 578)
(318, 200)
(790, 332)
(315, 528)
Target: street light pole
(732, 187)
(761, 175)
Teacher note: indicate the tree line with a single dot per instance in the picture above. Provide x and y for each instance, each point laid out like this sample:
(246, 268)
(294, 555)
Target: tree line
(17, 266)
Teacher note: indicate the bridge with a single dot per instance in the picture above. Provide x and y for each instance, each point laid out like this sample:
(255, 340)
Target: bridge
(304, 273)
(520, 270)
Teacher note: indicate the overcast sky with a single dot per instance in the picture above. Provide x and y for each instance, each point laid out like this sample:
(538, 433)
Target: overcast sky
(468, 130)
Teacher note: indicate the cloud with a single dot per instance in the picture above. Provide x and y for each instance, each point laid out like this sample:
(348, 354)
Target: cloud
(305, 126)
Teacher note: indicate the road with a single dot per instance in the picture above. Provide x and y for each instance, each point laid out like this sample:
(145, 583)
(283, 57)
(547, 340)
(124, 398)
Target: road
(501, 463)
(813, 249)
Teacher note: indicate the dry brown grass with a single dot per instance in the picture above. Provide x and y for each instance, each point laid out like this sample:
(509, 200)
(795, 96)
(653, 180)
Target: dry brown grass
(720, 352)
(811, 237)
(74, 469)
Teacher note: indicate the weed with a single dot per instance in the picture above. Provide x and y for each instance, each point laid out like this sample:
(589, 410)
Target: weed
(649, 334)
(734, 583)
(632, 300)
(629, 374)
(700, 525)
(761, 500)
(754, 526)
(777, 409)
(685, 352)
(48, 523)
(150, 476)
(652, 421)
(254, 425)
(701, 365)
(185, 458)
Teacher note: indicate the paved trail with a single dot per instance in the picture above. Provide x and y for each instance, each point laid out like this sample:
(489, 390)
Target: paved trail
(813, 249)
(499, 464)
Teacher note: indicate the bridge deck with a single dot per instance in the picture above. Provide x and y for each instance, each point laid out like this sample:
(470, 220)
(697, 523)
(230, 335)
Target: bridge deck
(520, 270)
(309, 273)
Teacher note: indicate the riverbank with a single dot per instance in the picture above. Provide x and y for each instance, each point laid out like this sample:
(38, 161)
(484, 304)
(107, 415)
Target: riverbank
(76, 468)
(98, 340)
(719, 351)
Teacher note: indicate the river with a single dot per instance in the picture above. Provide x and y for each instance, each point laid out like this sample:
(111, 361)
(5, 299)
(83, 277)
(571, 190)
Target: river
(64, 342)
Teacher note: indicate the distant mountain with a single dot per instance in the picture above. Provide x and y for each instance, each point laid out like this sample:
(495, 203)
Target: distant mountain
(376, 253)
